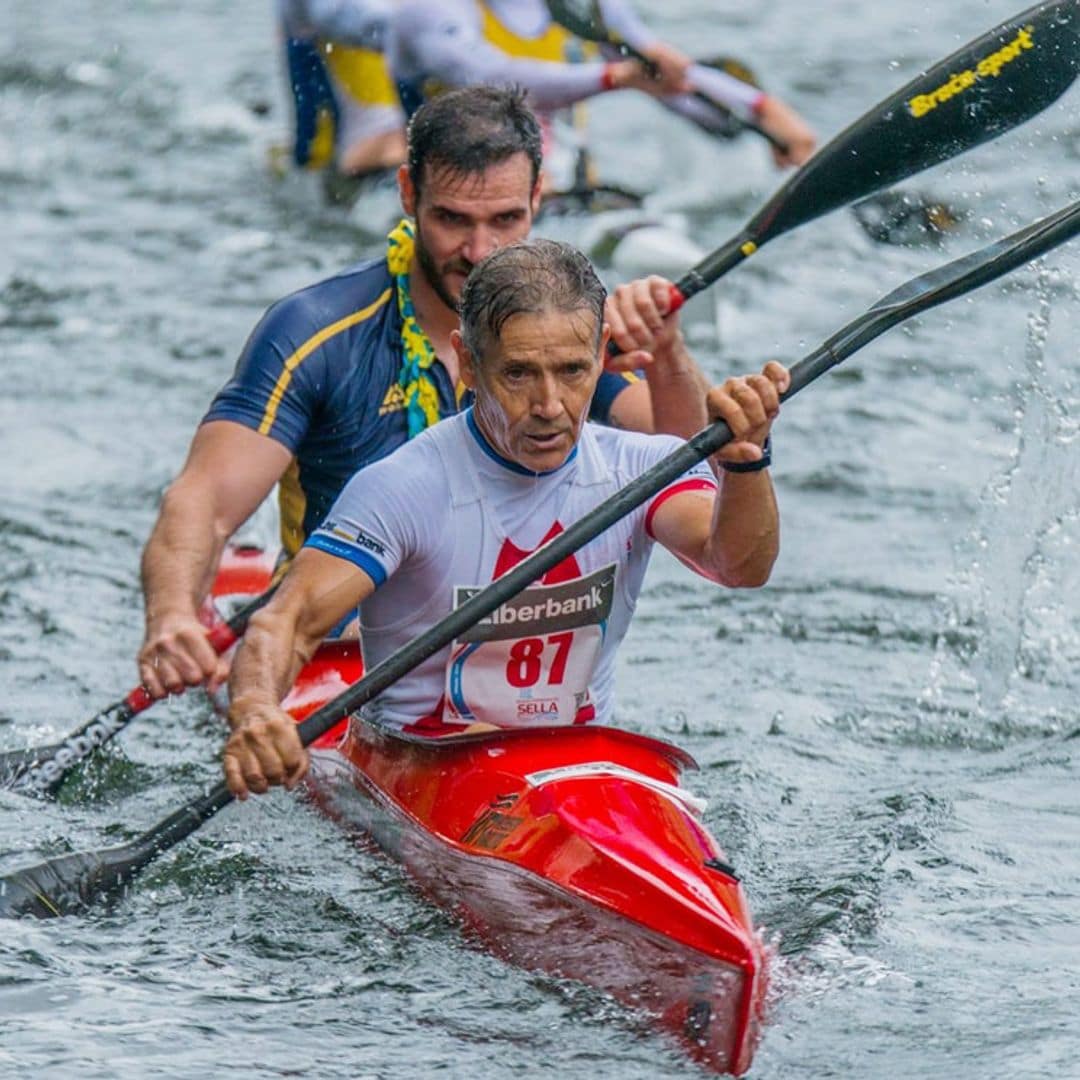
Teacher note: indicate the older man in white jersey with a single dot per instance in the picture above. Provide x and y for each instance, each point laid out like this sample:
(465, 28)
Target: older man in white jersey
(519, 466)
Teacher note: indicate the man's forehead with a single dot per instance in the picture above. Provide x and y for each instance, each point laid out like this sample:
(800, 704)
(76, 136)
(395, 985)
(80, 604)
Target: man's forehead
(508, 180)
(549, 330)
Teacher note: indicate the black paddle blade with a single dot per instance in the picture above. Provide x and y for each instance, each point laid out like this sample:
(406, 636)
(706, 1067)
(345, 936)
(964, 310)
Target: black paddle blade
(41, 770)
(991, 85)
(906, 217)
(68, 885)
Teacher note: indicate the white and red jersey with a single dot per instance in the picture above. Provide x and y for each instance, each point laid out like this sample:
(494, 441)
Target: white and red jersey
(445, 515)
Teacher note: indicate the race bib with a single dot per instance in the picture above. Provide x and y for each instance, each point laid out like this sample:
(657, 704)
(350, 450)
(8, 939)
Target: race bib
(529, 663)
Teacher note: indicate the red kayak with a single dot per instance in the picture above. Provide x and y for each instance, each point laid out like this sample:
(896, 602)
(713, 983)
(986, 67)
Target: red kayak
(572, 850)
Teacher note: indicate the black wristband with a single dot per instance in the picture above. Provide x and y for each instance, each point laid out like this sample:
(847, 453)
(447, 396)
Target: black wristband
(762, 462)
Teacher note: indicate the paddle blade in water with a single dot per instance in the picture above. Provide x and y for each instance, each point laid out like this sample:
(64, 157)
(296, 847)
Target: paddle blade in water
(991, 85)
(16, 764)
(68, 885)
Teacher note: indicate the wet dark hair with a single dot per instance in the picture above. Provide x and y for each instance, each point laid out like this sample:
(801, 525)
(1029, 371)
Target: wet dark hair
(530, 277)
(467, 131)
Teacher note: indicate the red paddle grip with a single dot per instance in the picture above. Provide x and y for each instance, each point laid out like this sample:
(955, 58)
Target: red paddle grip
(675, 301)
(221, 637)
(138, 699)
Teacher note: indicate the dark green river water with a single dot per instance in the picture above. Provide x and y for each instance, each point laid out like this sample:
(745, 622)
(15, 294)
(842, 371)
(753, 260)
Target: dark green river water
(887, 732)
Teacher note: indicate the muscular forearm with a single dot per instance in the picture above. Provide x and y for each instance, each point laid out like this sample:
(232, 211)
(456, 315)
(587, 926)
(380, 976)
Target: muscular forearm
(273, 651)
(677, 389)
(181, 556)
(745, 537)
(264, 748)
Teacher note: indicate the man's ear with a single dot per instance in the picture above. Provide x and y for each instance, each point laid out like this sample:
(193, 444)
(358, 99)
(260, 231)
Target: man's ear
(406, 191)
(536, 196)
(466, 367)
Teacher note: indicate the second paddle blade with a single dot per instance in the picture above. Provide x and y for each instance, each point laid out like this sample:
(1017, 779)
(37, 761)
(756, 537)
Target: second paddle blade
(991, 85)
(70, 884)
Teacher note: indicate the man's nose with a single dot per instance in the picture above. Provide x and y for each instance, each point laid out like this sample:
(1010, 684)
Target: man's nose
(547, 401)
(482, 242)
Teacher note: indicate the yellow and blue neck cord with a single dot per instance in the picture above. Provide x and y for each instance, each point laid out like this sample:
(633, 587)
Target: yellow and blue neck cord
(416, 380)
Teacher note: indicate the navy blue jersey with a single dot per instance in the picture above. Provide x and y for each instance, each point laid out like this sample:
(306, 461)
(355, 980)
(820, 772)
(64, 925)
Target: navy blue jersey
(319, 374)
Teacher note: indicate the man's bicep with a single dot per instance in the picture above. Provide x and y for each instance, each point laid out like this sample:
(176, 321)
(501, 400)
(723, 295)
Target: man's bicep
(233, 468)
(623, 401)
(683, 523)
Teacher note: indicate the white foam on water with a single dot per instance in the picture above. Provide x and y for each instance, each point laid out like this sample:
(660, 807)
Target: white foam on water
(1013, 586)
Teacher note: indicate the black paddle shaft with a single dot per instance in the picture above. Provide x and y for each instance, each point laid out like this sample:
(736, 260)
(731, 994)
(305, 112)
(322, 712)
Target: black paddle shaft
(72, 882)
(991, 85)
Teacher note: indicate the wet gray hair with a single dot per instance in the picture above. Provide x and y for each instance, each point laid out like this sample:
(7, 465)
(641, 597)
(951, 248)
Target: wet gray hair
(530, 277)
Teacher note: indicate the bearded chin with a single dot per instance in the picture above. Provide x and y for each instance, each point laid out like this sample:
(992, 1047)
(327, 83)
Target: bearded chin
(431, 273)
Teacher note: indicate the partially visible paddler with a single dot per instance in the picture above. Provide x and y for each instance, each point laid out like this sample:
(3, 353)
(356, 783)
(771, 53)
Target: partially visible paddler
(436, 44)
(415, 535)
(341, 373)
(346, 113)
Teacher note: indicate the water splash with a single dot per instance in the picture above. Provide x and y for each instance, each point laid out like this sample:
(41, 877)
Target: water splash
(1011, 595)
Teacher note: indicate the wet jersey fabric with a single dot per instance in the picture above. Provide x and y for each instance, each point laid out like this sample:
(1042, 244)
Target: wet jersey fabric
(446, 515)
(319, 374)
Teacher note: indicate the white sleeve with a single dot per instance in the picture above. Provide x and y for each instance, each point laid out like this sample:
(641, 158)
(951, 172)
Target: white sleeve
(635, 454)
(740, 97)
(433, 37)
(695, 480)
(374, 524)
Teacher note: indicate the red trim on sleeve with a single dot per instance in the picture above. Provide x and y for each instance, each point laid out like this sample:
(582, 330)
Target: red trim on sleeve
(694, 483)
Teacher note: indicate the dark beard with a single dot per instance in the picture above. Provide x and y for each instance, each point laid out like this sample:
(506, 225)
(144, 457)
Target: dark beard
(431, 272)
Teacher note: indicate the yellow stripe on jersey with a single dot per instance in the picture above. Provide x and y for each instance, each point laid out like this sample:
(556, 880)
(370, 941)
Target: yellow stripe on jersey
(321, 148)
(292, 506)
(554, 44)
(363, 73)
(307, 349)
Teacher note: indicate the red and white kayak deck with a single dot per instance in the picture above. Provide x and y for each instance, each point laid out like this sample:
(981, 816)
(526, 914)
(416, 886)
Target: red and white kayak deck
(572, 850)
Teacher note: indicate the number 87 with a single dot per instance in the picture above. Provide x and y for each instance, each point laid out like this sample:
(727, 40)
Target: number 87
(525, 665)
